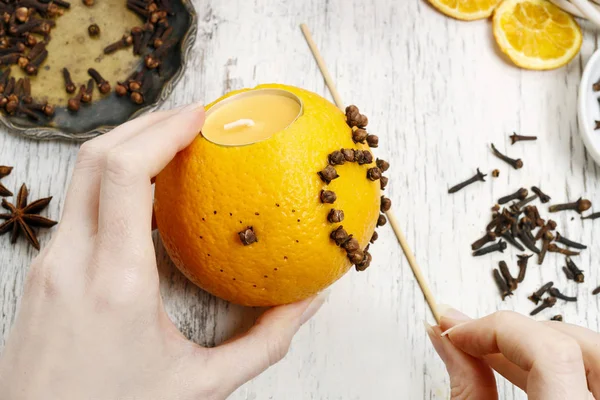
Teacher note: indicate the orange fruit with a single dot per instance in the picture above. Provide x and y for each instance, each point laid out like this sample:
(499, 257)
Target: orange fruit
(209, 193)
(536, 34)
(467, 10)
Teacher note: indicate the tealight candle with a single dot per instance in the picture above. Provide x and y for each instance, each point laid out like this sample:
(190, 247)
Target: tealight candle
(252, 116)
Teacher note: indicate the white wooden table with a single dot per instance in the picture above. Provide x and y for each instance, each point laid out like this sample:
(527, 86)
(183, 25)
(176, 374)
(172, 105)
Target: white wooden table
(437, 92)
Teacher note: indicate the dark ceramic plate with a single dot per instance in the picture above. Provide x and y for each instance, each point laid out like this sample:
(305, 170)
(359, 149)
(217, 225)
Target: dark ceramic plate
(71, 47)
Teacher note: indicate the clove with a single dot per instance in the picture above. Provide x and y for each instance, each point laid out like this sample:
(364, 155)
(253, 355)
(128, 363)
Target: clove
(511, 239)
(580, 206)
(355, 118)
(337, 158)
(522, 263)
(478, 177)
(382, 165)
(520, 194)
(575, 271)
(518, 206)
(554, 292)
(326, 175)
(500, 246)
(510, 281)
(373, 174)
(489, 237)
(136, 36)
(544, 198)
(548, 237)
(366, 261)
(558, 318)
(514, 138)
(327, 196)
(569, 243)
(549, 302)
(93, 30)
(516, 164)
(502, 285)
(103, 85)
(526, 238)
(381, 220)
(348, 154)
(125, 41)
(32, 66)
(596, 291)
(592, 216)
(69, 85)
(335, 216)
(247, 236)
(568, 273)
(374, 237)
(350, 245)
(385, 205)
(372, 141)
(383, 181)
(339, 235)
(550, 226)
(555, 249)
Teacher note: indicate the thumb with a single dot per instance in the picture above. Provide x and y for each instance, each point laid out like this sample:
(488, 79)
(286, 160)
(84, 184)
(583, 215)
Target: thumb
(265, 344)
(470, 378)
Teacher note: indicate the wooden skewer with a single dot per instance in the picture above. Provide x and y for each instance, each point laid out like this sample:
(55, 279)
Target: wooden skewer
(410, 257)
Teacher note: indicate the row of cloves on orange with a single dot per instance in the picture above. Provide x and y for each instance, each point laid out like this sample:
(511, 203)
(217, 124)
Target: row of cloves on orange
(358, 122)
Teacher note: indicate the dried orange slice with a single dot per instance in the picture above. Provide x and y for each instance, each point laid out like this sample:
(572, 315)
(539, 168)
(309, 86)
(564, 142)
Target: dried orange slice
(535, 34)
(466, 10)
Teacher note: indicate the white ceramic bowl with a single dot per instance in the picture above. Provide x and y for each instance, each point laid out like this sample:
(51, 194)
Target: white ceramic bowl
(589, 107)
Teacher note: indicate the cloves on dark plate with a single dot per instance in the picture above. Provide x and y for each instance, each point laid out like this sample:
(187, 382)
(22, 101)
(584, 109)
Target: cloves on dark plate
(549, 302)
(47, 109)
(514, 138)
(580, 206)
(516, 164)
(32, 67)
(93, 30)
(569, 243)
(478, 177)
(554, 292)
(74, 103)
(519, 194)
(577, 274)
(544, 198)
(500, 246)
(154, 59)
(122, 43)
(69, 85)
(502, 285)
(247, 236)
(592, 216)
(103, 85)
(335, 216)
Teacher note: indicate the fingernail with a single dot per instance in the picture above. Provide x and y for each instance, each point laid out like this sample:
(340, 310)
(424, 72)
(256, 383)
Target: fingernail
(449, 312)
(448, 331)
(436, 340)
(192, 107)
(313, 307)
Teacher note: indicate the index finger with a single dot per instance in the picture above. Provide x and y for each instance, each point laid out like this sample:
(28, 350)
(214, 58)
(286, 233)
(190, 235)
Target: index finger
(554, 360)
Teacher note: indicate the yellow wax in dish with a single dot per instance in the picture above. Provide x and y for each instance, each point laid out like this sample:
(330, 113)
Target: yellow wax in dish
(250, 117)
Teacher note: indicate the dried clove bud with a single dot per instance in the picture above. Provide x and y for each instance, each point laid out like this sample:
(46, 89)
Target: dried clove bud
(502, 285)
(372, 141)
(495, 173)
(500, 246)
(22, 14)
(335, 216)
(69, 85)
(549, 302)
(569, 243)
(580, 206)
(558, 318)
(328, 174)
(477, 177)
(247, 236)
(339, 235)
(367, 157)
(355, 118)
(522, 263)
(366, 261)
(382, 165)
(351, 245)
(120, 89)
(386, 204)
(544, 198)
(555, 249)
(383, 182)
(359, 157)
(356, 257)
(516, 164)
(550, 226)
(103, 85)
(93, 30)
(510, 281)
(348, 154)
(575, 271)
(554, 292)
(373, 174)
(327, 196)
(381, 220)
(519, 194)
(489, 237)
(359, 136)
(374, 237)
(337, 158)
(514, 138)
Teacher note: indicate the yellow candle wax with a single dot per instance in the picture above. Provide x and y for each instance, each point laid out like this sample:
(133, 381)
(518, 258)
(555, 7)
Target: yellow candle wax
(250, 117)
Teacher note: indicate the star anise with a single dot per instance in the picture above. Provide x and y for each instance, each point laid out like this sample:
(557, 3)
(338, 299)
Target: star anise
(4, 171)
(22, 217)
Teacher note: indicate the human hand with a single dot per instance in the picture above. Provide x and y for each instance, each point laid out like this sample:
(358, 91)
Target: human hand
(548, 360)
(92, 324)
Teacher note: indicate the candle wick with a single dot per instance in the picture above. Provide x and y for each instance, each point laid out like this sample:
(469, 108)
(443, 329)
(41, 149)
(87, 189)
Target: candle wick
(238, 123)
